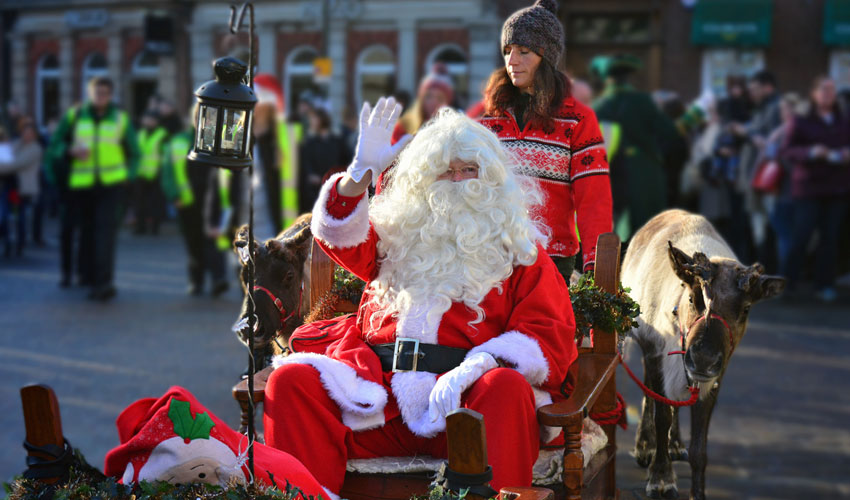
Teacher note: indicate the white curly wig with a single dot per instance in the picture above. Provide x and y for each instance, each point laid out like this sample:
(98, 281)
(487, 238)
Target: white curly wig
(444, 241)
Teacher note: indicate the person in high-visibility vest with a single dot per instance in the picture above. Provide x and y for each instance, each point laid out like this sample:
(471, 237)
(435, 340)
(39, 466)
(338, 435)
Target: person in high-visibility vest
(186, 186)
(97, 143)
(148, 200)
(275, 156)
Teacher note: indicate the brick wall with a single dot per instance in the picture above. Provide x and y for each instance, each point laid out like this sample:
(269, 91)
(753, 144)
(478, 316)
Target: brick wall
(82, 48)
(427, 40)
(359, 40)
(38, 48)
(286, 42)
(133, 45)
(797, 53)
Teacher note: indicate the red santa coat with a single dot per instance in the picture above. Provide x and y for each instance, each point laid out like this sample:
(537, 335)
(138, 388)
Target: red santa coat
(529, 325)
(571, 168)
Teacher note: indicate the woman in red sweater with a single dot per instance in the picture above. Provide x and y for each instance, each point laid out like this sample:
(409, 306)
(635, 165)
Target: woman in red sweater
(555, 139)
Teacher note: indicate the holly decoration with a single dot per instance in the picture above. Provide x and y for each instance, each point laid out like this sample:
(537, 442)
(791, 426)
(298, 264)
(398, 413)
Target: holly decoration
(185, 425)
(346, 287)
(596, 308)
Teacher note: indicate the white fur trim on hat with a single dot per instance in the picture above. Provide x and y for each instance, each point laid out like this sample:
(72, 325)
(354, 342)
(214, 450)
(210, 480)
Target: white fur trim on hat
(339, 233)
(519, 350)
(361, 401)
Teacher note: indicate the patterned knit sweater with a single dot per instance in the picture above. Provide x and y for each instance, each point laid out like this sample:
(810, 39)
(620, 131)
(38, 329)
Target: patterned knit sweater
(571, 169)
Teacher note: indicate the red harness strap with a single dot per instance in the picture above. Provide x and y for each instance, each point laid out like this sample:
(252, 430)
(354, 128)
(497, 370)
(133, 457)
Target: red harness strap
(700, 318)
(279, 304)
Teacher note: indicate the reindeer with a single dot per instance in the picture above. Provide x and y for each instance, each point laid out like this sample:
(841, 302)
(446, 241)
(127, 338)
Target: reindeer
(278, 271)
(698, 305)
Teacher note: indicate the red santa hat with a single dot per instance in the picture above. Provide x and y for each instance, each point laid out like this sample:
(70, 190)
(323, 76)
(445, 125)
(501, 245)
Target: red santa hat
(269, 90)
(175, 439)
(438, 78)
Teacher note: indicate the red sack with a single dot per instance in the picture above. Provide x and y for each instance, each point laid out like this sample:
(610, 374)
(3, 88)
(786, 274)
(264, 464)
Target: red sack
(768, 177)
(315, 337)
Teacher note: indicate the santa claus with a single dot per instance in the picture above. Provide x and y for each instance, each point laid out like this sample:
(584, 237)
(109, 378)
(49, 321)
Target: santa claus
(463, 308)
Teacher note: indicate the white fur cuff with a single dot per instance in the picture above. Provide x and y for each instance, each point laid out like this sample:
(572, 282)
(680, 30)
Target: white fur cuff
(521, 351)
(339, 233)
(362, 402)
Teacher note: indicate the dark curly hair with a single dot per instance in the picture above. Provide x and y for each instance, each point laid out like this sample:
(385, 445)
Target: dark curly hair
(551, 87)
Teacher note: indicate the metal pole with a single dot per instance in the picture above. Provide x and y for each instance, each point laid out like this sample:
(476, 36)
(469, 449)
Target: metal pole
(252, 319)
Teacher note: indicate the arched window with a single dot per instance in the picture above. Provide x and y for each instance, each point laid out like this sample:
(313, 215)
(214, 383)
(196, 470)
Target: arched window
(145, 64)
(95, 65)
(47, 90)
(375, 69)
(298, 76)
(458, 67)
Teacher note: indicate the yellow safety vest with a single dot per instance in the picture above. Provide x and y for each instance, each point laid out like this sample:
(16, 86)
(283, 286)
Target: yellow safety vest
(224, 176)
(106, 162)
(288, 144)
(149, 144)
(178, 149)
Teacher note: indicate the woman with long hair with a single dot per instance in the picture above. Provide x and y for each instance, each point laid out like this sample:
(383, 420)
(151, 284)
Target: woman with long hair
(554, 138)
(818, 145)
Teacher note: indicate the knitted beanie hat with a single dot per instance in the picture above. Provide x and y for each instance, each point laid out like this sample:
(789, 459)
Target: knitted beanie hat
(538, 28)
(438, 78)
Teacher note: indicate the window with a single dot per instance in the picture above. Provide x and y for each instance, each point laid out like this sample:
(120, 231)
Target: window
(717, 64)
(47, 90)
(298, 76)
(839, 68)
(94, 66)
(455, 61)
(375, 70)
(146, 64)
(610, 28)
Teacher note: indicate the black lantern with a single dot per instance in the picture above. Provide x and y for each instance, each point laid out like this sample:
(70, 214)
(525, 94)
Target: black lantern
(225, 108)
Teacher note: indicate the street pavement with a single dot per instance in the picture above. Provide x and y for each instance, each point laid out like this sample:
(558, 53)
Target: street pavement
(780, 429)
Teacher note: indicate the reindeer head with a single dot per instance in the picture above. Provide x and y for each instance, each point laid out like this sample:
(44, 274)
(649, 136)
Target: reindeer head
(279, 265)
(714, 317)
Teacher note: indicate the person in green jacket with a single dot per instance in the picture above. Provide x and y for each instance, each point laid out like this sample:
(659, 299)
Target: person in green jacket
(638, 136)
(148, 198)
(95, 154)
(186, 186)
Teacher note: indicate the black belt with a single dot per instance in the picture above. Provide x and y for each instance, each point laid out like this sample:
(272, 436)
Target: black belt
(409, 355)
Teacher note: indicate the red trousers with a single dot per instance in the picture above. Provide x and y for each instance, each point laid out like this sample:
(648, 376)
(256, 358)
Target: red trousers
(301, 419)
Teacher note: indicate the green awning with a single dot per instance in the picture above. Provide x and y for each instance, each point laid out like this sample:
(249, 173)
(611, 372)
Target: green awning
(732, 22)
(836, 22)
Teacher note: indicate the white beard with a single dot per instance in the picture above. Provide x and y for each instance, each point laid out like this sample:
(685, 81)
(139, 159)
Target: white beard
(452, 244)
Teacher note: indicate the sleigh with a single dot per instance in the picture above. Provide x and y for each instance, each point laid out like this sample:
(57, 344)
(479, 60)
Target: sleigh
(582, 469)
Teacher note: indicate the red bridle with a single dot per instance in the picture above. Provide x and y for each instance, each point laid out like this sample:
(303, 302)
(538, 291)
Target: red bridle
(700, 318)
(279, 304)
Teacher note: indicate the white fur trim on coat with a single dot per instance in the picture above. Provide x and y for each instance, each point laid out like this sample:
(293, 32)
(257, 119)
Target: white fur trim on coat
(362, 402)
(411, 391)
(339, 233)
(543, 398)
(519, 350)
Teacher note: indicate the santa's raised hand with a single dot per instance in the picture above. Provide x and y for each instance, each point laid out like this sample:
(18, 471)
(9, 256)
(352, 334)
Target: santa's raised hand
(374, 151)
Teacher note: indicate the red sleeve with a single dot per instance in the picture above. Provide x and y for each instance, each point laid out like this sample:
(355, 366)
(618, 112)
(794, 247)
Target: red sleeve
(543, 312)
(538, 340)
(339, 206)
(590, 184)
(341, 227)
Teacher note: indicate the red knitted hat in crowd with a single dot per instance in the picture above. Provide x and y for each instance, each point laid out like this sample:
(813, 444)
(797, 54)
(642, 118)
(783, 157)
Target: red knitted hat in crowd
(438, 78)
(175, 439)
(269, 89)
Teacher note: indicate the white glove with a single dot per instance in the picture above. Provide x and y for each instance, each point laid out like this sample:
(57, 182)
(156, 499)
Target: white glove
(445, 396)
(374, 151)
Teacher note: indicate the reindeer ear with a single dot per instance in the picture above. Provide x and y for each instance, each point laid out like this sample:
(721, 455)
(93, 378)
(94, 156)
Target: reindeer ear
(240, 244)
(682, 264)
(275, 247)
(758, 286)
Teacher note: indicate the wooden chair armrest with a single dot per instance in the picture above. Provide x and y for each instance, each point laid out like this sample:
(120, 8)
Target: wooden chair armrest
(240, 390)
(592, 371)
(526, 494)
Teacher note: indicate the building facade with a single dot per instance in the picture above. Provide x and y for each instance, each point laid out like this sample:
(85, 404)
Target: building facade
(50, 48)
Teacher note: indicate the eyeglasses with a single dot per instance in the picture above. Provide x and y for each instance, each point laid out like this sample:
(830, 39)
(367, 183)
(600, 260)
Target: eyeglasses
(459, 174)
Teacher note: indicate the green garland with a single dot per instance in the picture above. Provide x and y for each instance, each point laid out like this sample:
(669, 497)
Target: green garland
(596, 308)
(346, 287)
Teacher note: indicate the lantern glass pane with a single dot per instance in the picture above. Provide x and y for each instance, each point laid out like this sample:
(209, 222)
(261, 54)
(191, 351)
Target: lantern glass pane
(206, 128)
(233, 132)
